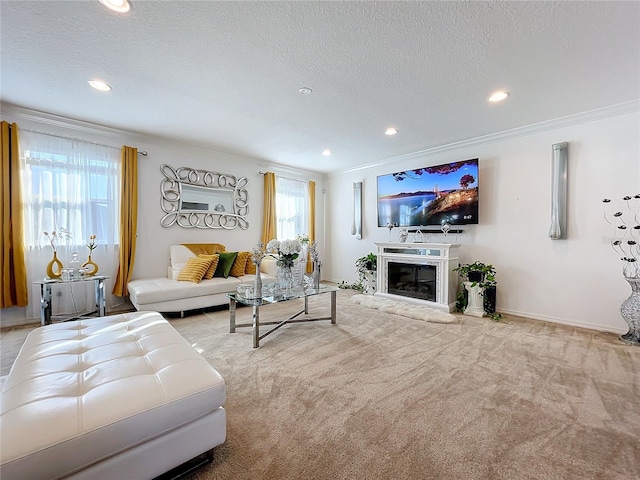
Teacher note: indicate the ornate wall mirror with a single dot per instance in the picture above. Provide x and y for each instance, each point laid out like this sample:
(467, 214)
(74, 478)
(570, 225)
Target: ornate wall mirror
(202, 199)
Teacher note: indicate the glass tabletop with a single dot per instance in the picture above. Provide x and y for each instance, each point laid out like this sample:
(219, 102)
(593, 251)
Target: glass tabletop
(85, 278)
(272, 294)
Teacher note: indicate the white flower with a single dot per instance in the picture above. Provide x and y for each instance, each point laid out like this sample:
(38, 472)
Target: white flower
(290, 247)
(273, 246)
(304, 238)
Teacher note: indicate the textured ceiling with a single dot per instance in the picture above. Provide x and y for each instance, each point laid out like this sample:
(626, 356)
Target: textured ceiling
(227, 74)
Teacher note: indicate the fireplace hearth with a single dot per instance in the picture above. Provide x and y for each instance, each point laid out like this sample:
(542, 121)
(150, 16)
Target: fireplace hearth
(419, 273)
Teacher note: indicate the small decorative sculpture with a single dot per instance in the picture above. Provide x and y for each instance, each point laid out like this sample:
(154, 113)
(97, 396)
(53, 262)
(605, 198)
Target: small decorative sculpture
(403, 235)
(390, 226)
(445, 229)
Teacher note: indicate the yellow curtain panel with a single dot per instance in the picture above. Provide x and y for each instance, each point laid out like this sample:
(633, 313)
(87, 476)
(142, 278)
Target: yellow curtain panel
(128, 219)
(14, 268)
(312, 218)
(269, 228)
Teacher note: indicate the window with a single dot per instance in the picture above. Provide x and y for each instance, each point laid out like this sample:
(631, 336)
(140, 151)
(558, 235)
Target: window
(292, 208)
(71, 185)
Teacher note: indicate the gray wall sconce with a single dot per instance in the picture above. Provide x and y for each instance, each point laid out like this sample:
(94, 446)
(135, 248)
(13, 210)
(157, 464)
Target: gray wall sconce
(559, 167)
(356, 226)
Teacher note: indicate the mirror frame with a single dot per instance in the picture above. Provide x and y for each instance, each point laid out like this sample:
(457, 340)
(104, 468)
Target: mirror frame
(171, 190)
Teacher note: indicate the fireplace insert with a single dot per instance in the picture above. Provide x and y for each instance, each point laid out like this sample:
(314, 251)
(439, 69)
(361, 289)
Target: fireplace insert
(411, 280)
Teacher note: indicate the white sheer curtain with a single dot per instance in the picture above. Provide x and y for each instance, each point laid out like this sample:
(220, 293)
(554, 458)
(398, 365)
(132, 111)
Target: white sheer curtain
(292, 207)
(74, 186)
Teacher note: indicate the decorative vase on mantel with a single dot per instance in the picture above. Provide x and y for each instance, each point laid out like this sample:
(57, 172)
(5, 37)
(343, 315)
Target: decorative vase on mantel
(630, 311)
(52, 265)
(90, 267)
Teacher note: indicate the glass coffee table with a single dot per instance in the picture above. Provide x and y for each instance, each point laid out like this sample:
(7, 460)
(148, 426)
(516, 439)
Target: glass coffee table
(271, 297)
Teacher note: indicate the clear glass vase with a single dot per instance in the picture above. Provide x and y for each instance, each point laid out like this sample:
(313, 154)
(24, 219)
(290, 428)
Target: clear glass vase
(285, 280)
(630, 311)
(257, 286)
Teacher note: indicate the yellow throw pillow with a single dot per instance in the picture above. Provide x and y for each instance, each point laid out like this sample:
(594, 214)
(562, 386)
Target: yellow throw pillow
(212, 267)
(251, 267)
(194, 270)
(240, 264)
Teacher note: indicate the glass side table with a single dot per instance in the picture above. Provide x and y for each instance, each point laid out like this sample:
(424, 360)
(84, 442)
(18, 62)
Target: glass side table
(45, 295)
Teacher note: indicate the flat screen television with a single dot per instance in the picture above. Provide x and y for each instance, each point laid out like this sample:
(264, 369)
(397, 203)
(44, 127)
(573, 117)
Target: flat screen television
(434, 195)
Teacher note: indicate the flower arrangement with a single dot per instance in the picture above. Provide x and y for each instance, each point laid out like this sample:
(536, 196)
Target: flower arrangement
(258, 253)
(626, 238)
(313, 252)
(54, 237)
(303, 239)
(92, 244)
(287, 251)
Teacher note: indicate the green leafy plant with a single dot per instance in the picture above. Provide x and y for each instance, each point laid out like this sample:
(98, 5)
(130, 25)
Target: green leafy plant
(478, 273)
(462, 300)
(483, 275)
(364, 265)
(357, 286)
(368, 263)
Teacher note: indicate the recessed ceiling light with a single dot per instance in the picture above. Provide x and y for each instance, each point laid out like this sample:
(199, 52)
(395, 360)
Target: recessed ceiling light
(326, 152)
(498, 96)
(120, 6)
(100, 85)
(391, 131)
(305, 91)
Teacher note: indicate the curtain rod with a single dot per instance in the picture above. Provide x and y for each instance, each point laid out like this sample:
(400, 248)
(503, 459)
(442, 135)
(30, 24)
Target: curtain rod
(142, 152)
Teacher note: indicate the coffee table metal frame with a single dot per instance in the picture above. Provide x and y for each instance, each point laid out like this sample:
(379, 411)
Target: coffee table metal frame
(256, 303)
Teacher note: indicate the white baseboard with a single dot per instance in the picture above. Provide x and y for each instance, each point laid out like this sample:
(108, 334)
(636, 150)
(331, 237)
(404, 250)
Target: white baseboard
(564, 321)
(533, 316)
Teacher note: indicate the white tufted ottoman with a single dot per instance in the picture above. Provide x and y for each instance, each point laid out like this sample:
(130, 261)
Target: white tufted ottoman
(117, 397)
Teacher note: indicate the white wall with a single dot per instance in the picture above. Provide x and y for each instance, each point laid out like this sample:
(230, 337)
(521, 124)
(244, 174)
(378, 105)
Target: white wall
(576, 281)
(152, 250)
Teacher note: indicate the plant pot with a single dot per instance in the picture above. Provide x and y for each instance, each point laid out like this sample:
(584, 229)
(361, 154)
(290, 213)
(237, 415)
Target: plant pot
(475, 276)
(489, 300)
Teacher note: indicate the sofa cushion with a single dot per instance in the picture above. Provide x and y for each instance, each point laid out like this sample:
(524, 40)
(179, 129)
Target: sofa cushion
(205, 248)
(225, 263)
(194, 270)
(155, 290)
(212, 268)
(250, 268)
(240, 264)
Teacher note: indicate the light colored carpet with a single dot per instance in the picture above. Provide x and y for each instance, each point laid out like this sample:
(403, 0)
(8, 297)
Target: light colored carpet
(381, 396)
(404, 309)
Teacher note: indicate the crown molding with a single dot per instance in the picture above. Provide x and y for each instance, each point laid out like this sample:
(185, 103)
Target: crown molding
(541, 127)
(21, 113)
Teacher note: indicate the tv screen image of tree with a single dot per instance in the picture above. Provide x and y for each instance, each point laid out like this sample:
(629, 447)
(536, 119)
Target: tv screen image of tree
(434, 195)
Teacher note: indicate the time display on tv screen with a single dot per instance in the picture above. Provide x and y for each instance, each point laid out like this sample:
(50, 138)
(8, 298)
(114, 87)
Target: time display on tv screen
(434, 195)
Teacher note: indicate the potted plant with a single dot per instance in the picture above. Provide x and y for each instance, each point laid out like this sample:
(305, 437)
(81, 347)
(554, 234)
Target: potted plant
(366, 267)
(484, 275)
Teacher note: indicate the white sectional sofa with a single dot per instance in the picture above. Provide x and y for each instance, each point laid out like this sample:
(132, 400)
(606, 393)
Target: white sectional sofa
(169, 295)
(117, 397)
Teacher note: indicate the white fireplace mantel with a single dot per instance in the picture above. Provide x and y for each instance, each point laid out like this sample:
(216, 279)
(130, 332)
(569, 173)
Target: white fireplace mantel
(444, 256)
